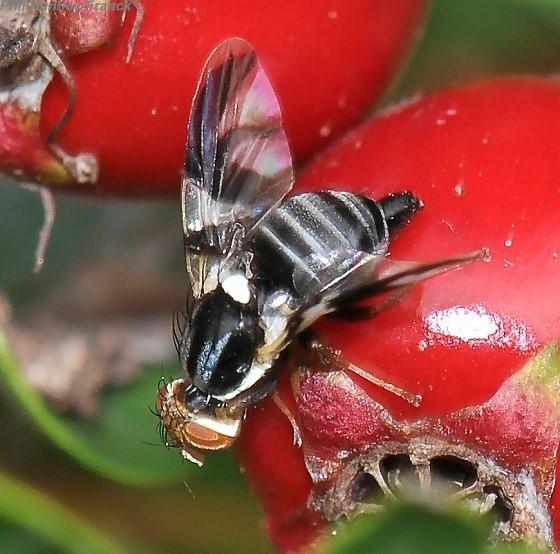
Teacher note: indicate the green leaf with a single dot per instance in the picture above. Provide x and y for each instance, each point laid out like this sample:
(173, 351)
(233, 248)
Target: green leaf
(32, 522)
(409, 528)
(420, 529)
(514, 548)
(122, 443)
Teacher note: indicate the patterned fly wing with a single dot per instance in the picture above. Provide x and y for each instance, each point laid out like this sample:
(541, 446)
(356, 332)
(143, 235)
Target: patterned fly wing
(238, 163)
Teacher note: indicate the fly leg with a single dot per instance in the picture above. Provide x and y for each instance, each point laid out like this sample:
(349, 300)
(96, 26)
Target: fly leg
(291, 417)
(252, 396)
(331, 361)
(315, 355)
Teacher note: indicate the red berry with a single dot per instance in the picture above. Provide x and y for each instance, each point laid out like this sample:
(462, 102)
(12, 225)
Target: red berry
(327, 63)
(484, 160)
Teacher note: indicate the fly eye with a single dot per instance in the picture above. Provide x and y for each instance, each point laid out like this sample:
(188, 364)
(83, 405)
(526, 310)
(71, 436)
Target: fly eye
(209, 431)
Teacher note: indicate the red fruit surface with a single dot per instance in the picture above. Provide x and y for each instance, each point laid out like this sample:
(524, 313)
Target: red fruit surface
(485, 160)
(328, 63)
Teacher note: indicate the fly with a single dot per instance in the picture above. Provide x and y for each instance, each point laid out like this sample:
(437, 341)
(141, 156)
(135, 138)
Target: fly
(260, 269)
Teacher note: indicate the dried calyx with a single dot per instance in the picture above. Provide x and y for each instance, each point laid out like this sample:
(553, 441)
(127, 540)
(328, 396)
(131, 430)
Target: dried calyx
(430, 470)
(498, 457)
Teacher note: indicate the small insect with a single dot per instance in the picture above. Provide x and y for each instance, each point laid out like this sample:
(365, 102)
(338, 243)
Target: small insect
(261, 270)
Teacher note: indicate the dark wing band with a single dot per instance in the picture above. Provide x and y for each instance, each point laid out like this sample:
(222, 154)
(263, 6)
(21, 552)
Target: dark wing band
(238, 163)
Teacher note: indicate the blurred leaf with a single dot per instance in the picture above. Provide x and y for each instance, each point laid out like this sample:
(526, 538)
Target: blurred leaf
(409, 528)
(466, 41)
(49, 526)
(513, 548)
(404, 528)
(121, 443)
(14, 538)
(84, 229)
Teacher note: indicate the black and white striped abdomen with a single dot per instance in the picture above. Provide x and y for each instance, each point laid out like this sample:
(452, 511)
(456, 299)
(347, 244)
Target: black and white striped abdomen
(310, 240)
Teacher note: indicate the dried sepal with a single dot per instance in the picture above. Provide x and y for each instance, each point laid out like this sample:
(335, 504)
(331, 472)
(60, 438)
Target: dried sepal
(499, 457)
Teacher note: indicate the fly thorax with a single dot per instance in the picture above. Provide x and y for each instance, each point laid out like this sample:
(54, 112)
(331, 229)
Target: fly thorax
(221, 341)
(277, 315)
(233, 275)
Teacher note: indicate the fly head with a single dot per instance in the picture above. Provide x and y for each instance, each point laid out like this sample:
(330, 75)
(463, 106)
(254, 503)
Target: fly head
(194, 426)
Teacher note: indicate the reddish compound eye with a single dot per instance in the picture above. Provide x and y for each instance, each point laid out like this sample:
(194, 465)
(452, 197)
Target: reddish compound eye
(194, 433)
